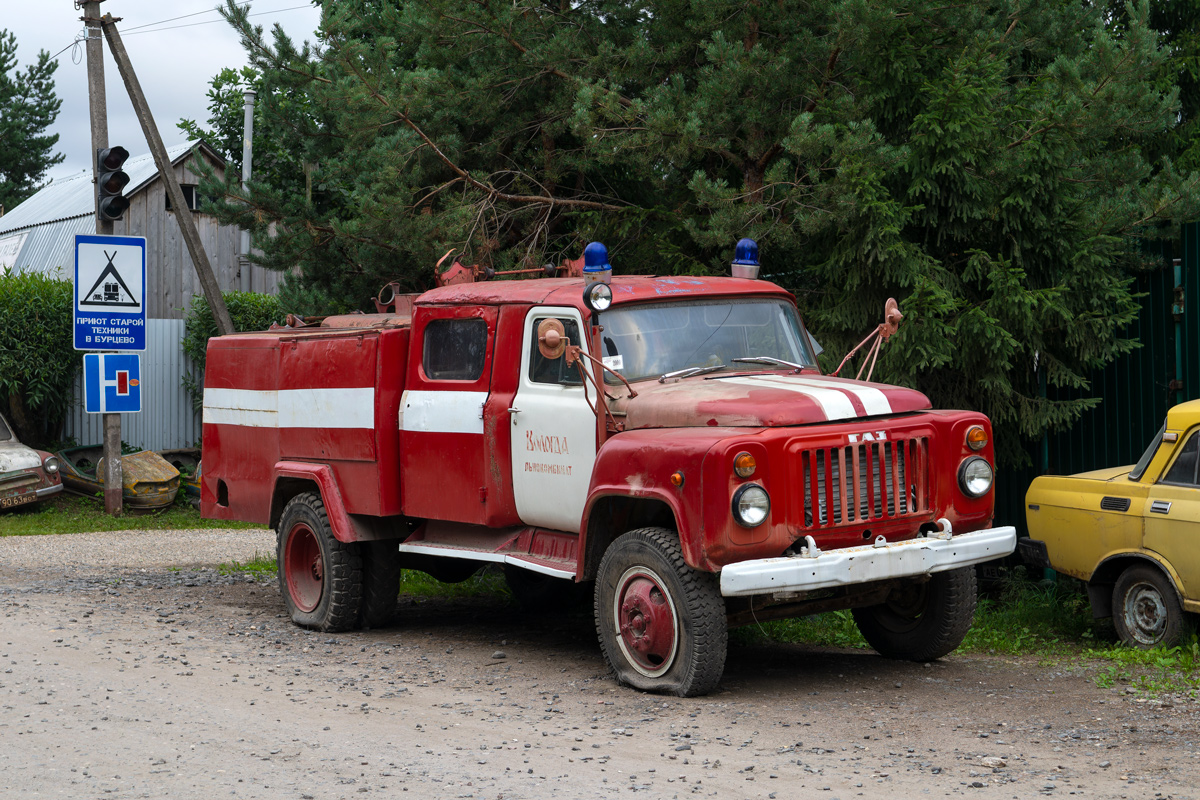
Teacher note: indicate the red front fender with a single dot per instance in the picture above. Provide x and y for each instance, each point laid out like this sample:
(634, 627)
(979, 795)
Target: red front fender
(631, 488)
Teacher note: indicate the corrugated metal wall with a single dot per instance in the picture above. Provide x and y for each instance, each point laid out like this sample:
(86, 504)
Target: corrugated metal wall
(167, 419)
(1134, 390)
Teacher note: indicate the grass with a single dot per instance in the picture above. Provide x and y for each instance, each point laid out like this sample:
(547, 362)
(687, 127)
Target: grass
(260, 567)
(486, 582)
(68, 513)
(1157, 671)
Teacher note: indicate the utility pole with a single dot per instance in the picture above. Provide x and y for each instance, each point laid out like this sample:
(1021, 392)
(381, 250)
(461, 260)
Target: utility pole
(247, 158)
(183, 214)
(98, 112)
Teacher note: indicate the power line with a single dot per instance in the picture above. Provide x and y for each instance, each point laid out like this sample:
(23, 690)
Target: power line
(209, 22)
(172, 19)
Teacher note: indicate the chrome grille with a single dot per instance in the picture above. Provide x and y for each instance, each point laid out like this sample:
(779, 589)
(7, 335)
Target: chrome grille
(864, 482)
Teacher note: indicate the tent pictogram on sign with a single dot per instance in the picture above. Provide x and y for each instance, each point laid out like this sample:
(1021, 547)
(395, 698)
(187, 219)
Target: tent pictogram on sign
(110, 290)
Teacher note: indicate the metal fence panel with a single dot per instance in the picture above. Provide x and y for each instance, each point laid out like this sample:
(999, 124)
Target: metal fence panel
(168, 419)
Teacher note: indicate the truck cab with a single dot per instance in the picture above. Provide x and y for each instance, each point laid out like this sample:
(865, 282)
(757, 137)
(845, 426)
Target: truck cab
(669, 440)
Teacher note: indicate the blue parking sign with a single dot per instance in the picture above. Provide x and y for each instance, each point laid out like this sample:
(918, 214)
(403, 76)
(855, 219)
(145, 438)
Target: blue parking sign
(112, 383)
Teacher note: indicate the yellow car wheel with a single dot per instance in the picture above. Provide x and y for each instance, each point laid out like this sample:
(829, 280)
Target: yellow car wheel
(1146, 609)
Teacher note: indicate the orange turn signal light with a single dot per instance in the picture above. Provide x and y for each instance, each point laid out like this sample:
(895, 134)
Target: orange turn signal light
(677, 479)
(976, 437)
(744, 465)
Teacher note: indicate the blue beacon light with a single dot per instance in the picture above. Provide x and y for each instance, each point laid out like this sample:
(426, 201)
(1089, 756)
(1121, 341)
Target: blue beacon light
(745, 259)
(595, 264)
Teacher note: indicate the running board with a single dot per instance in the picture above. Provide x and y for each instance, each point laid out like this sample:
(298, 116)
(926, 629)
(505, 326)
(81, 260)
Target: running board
(546, 552)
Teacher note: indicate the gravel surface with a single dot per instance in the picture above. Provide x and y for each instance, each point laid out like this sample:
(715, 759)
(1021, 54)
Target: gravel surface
(137, 549)
(138, 680)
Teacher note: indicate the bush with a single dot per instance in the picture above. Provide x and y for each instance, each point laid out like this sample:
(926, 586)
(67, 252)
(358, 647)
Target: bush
(249, 311)
(38, 361)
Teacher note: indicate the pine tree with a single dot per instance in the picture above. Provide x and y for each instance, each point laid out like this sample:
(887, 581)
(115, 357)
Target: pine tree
(28, 107)
(991, 166)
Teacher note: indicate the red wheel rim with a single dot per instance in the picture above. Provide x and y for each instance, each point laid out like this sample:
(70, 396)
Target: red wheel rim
(304, 568)
(647, 625)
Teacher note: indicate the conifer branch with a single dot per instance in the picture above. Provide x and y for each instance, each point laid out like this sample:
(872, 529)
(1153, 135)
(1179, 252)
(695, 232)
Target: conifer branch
(491, 191)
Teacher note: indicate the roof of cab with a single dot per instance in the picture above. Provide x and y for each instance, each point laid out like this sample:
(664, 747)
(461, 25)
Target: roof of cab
(569, 291)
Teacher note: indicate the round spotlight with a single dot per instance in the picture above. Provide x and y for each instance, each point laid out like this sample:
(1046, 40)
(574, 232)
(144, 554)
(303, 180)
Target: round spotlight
(597, 296)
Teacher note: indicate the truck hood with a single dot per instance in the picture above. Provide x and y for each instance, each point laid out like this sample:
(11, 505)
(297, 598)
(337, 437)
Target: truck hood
(762, 400)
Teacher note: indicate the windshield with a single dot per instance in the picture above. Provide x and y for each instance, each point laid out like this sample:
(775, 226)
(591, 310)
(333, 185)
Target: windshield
(647, 341)
(4, 434)
(1144, 461)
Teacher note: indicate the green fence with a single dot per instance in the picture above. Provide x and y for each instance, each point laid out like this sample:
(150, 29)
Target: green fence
(1135, 390)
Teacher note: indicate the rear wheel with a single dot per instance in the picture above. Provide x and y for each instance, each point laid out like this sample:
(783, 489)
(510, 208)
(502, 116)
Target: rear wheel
(320, 578)
(381, 583)
(1146, 610)
(661, 623)
(922, 621)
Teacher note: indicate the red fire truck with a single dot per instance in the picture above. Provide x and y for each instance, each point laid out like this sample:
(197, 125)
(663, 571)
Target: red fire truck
(670, 439)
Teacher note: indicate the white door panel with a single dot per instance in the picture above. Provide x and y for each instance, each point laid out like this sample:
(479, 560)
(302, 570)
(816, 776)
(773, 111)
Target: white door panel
(554, 435)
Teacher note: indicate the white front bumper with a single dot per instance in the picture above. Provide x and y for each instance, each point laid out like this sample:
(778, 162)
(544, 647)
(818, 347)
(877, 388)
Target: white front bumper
(852, 565)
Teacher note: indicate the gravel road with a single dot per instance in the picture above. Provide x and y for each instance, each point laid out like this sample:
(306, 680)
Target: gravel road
(131, 668)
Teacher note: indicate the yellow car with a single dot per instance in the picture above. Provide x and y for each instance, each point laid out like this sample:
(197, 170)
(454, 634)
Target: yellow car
(1133, 533)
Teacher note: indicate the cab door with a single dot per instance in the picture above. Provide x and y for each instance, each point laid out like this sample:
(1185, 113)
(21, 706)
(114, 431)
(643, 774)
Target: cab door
(442, 452)
(1172, 515)
(554, 430)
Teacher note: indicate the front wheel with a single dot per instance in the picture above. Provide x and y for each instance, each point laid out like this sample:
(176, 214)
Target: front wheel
(661, 623)
(1146, 610)
(320, 578)
(922, 621)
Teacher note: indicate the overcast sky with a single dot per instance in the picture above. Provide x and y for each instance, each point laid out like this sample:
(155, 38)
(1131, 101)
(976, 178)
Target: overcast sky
(174, 63)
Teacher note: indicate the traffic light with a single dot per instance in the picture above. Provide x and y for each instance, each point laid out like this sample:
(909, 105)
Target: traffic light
(110, 182)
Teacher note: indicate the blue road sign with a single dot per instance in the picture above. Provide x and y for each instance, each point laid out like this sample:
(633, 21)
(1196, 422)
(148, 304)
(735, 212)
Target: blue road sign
(110, 289)
(112, 383)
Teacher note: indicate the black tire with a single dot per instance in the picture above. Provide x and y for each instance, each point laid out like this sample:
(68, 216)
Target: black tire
(922, 621)
(1146, 609)
(381, 583)
(538, 593)
(320, 578)
(644, 571)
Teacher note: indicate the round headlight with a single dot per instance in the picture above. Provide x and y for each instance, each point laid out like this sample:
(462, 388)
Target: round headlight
(751, 504)
(50, 465)
(597, 296)
(975, 477)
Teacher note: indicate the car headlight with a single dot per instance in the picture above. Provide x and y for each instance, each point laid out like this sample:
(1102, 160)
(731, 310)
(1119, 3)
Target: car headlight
(751, 504)
(50, 465)
(975, 477)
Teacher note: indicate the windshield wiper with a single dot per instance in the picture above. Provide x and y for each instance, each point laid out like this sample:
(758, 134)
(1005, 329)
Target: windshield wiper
(690, 371)
(769, 360)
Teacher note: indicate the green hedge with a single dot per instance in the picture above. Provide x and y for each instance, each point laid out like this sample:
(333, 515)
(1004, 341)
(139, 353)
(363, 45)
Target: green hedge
(38, 361)
(249, 311)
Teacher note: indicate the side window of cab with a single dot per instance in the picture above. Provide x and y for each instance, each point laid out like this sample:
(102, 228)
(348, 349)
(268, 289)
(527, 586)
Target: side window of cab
(1184, 471)
(455, 349)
